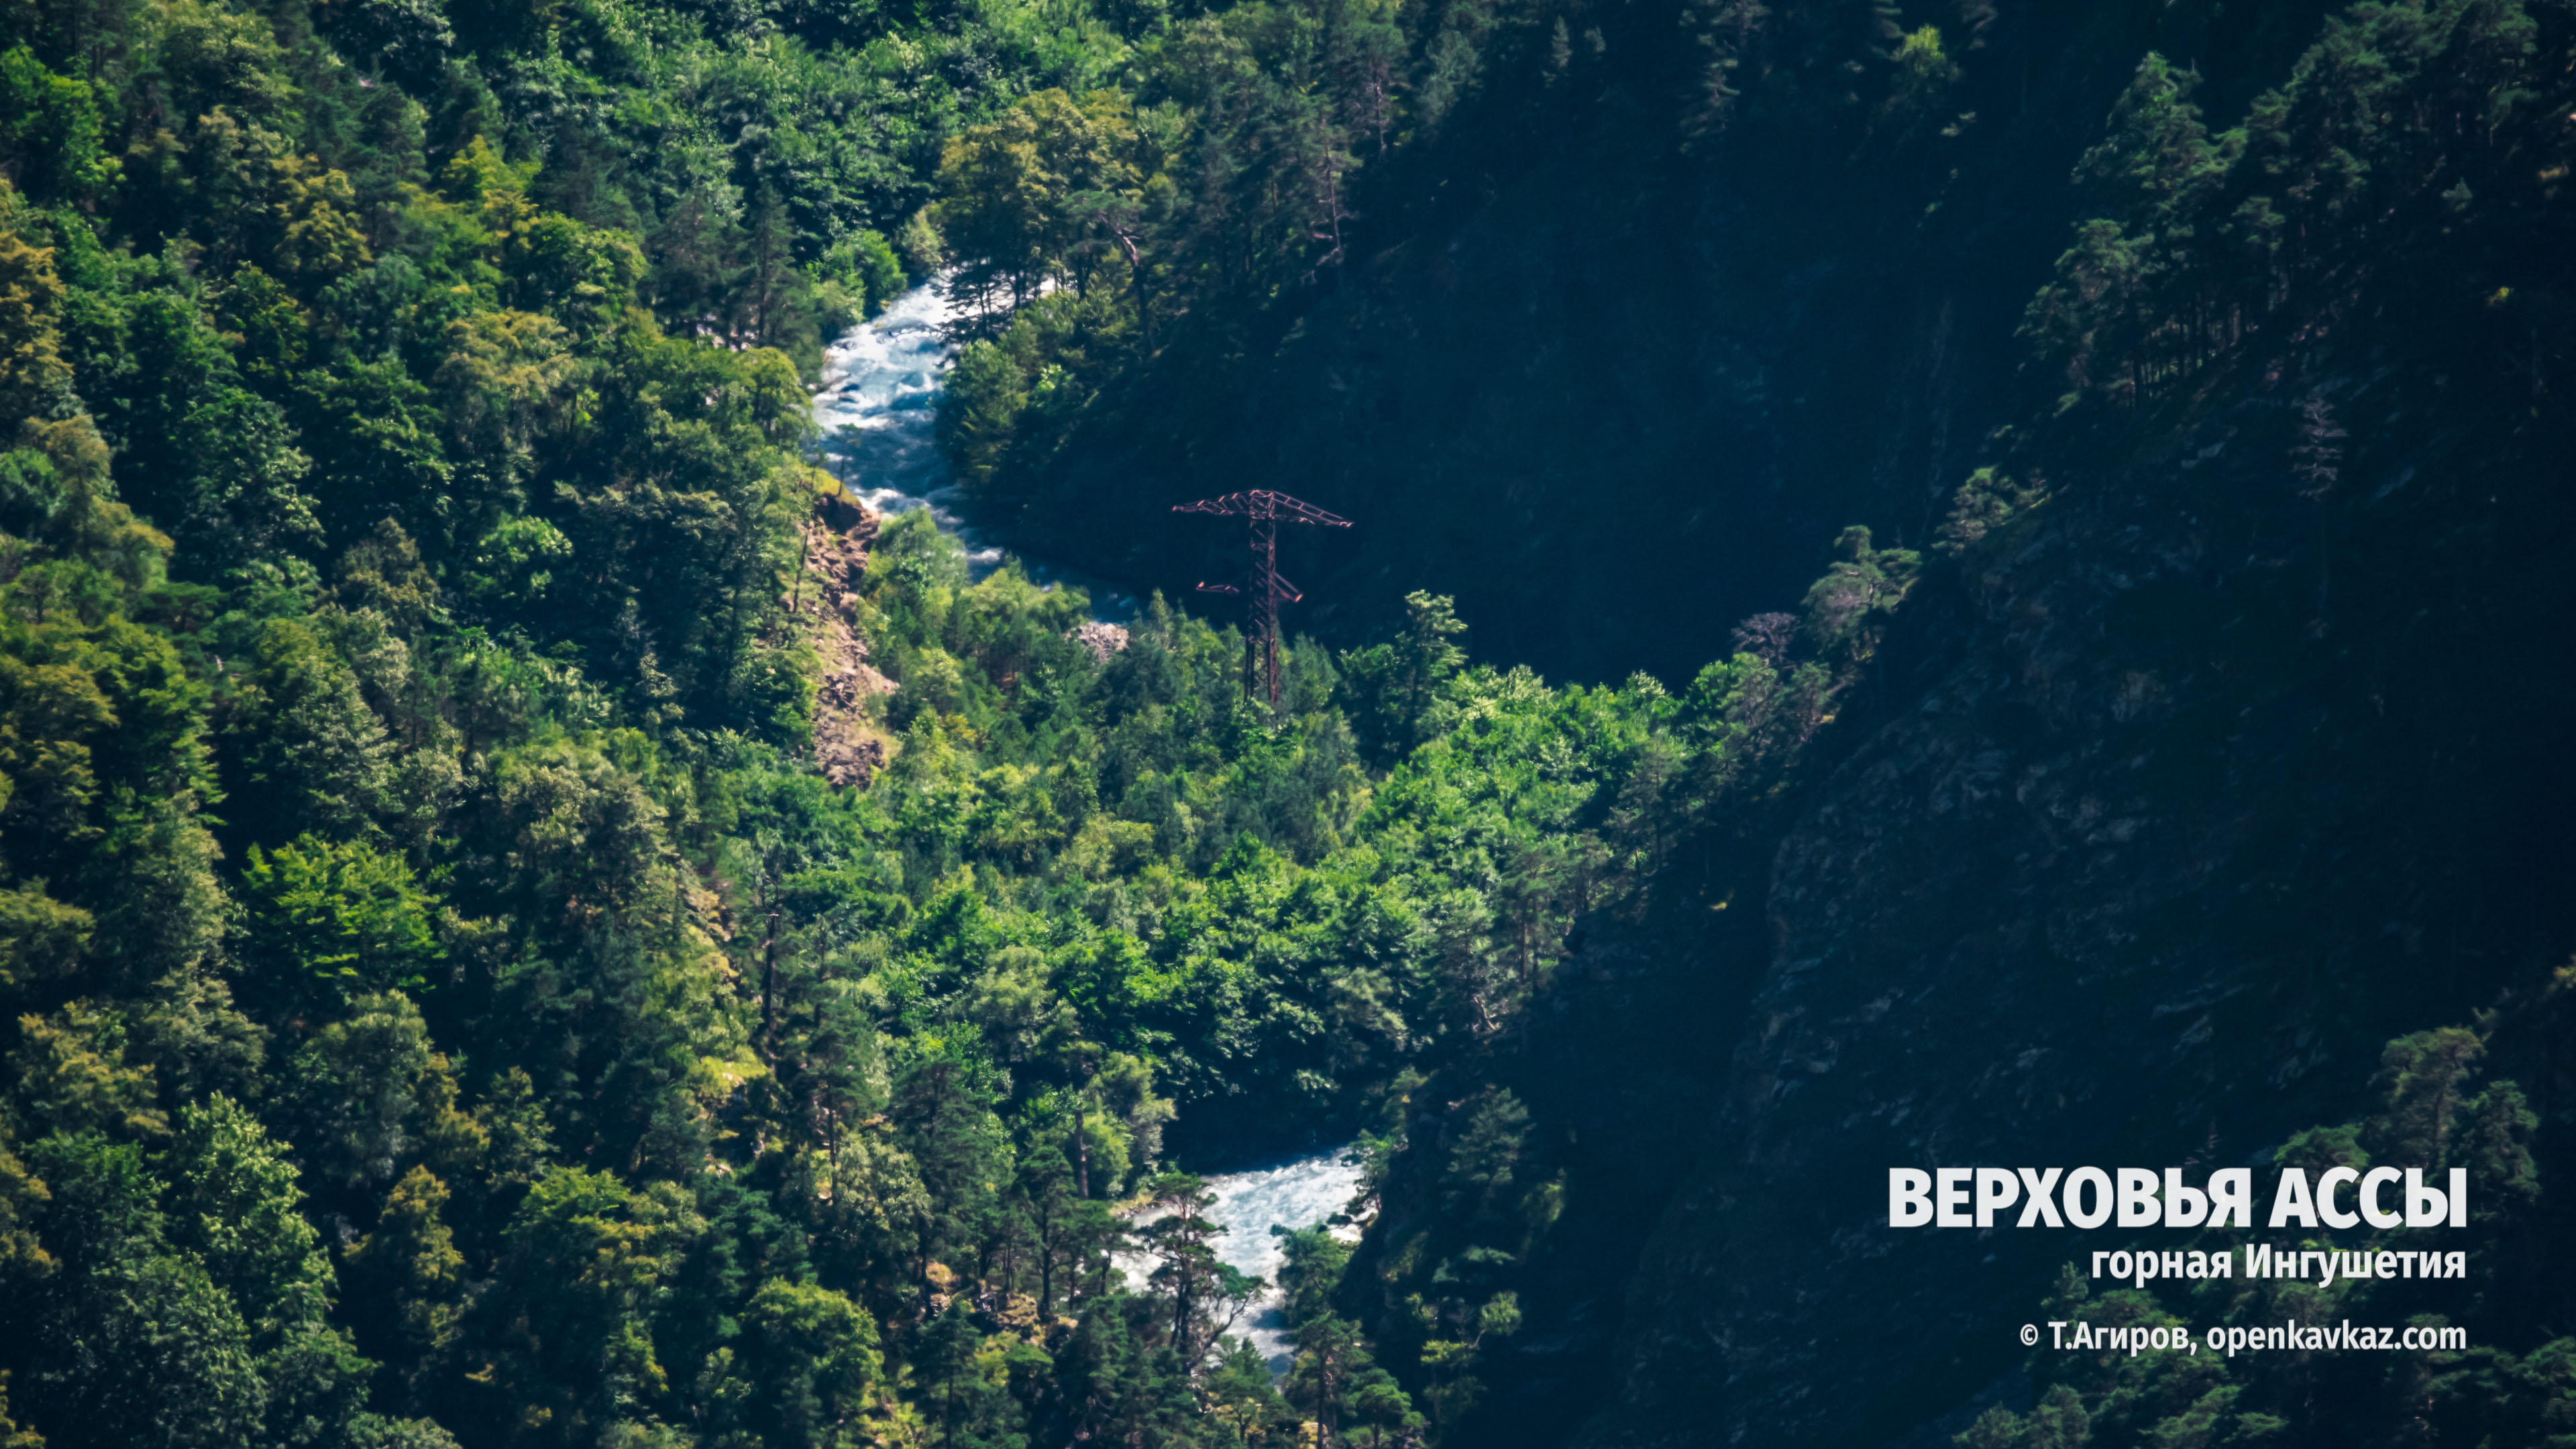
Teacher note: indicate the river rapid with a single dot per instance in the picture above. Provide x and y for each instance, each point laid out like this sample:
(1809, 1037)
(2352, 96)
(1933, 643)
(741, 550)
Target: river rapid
(1298, 1194)
(878, 414)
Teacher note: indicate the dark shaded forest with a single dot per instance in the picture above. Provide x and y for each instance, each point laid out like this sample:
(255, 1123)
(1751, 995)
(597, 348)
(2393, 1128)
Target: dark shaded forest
(2115, 460)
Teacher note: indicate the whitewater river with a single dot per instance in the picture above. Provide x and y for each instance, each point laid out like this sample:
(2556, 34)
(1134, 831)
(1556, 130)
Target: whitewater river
(876, 409)
(1299, 1194)
(878, 412)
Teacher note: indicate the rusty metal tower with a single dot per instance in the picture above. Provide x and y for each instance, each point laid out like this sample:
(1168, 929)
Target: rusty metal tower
(1265, 590)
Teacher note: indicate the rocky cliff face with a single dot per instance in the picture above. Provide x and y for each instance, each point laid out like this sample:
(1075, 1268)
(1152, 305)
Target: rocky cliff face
(2214, 787)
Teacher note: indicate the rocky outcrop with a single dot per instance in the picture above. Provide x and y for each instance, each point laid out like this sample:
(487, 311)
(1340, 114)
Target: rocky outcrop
(1102, 639)
(847, 743)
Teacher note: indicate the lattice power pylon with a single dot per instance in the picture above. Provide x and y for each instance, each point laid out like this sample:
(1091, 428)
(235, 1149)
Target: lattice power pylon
(1264, 589)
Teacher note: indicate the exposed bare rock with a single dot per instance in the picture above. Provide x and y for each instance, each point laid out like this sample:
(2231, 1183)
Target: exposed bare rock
(847, 744)
(1101, 639)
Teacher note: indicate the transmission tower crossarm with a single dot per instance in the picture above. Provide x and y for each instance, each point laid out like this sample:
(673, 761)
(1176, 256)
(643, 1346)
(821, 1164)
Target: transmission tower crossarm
(1298, 510)
(1264, 503)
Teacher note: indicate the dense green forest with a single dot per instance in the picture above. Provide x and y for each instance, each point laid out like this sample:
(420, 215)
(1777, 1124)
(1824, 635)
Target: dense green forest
(446, 1003)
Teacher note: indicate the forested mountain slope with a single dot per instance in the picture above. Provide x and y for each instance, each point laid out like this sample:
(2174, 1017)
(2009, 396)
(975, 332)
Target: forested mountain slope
(2182, 810)
(1693, 286)
(2216, 351)
(445, 1002)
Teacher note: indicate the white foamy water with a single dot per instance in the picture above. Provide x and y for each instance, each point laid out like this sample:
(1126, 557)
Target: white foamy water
(878, 412)
(1300, 1195)
(1296, 1195)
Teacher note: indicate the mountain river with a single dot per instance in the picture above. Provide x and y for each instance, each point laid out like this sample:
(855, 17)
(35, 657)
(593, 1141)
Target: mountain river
(877, 411)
